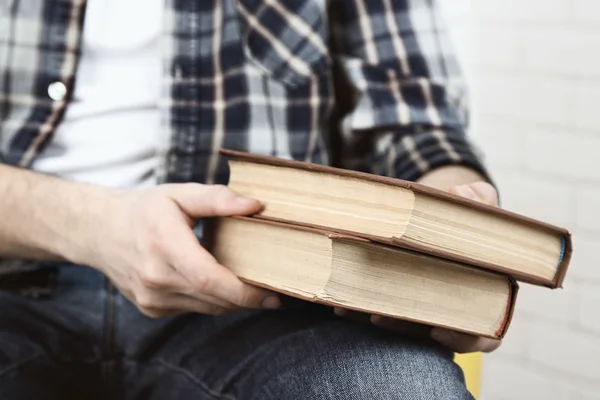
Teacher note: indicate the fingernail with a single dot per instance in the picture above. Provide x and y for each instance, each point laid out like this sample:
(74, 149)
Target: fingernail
(467, 191)
(486, 193)
(271, 302)
(245, 202)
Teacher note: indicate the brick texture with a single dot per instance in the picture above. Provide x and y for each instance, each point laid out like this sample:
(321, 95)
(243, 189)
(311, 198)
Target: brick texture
(586, 259)
(531, 384)
(588, 308)
(535, 72)
(565, 350)
(563, 154)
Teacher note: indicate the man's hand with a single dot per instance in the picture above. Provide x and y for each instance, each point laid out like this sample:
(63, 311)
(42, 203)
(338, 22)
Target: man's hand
(455, 341)
(147, 248)
(141, 239)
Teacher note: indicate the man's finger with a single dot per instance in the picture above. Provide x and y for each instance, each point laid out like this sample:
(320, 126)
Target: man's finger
(189, 304)
(351, 315)
(197, 200)
(462, 342)
(478, 191)
(194, 294)
(223, 284)
(406, 328)
(485, 193)
(165, 280)
(207, 277)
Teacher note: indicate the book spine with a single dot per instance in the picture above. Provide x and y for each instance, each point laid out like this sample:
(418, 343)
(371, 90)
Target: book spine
(564, 260)
(513, 290)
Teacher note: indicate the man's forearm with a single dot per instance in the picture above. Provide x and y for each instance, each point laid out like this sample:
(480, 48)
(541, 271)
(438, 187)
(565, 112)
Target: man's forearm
(44, 217)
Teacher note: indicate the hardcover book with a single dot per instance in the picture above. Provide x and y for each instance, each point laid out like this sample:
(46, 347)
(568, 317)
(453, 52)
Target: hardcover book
(403, 214)
(359, 274)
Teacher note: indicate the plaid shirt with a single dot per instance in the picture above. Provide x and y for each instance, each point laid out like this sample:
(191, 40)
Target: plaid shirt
(362, 84)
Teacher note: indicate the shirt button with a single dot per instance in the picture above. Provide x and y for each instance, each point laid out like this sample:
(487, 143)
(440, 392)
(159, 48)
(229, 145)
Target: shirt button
(57, 91)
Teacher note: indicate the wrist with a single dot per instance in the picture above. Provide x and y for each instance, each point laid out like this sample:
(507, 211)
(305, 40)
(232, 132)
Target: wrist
(83, 226)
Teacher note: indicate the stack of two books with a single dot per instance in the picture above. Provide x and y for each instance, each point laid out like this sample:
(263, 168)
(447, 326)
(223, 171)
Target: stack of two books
(384, 246)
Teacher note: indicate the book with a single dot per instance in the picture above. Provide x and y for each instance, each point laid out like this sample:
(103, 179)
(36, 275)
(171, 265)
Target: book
(403, 214)
(358, 274)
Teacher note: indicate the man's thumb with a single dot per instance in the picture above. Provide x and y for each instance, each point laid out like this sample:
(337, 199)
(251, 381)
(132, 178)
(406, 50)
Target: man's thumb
(479, 191)
(197, 200)
(485, 193)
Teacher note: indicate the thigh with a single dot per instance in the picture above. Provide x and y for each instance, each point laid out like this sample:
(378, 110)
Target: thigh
(299, 354)
(41, 378)
(45, 351)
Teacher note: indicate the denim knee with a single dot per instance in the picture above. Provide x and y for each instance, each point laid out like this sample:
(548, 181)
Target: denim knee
(363, 364)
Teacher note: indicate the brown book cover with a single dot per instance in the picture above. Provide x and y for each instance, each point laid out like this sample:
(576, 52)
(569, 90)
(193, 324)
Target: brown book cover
(513, 287)
(565, 258)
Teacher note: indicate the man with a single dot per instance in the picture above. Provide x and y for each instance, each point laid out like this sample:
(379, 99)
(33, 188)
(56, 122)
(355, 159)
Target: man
(112, 113)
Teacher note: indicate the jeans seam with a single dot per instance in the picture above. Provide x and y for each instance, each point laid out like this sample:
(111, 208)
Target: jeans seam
(110, 359)
(184, 372)
(110, 320)
(20, 364)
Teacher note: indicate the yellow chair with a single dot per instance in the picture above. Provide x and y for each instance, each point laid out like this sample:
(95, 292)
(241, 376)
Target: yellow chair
(471, 365)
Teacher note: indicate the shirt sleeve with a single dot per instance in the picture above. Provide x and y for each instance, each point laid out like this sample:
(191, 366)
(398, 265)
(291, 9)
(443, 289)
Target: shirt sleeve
(399, 87)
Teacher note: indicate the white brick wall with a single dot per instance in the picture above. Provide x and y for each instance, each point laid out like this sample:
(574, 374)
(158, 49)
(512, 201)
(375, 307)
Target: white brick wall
(588, 308)
(525, 193)
(587, 11)
(566, 350)
(535, 72)
(524, 96)
(562, 153)
(532, 385)
(523, 10)
(586, 259)
(566, 51)
(588, 208)
(585, 106)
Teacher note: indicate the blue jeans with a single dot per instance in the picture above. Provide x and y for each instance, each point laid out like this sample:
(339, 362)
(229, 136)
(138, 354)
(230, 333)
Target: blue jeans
(86, 341)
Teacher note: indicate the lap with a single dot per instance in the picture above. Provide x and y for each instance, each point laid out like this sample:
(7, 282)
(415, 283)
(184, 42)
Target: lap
(47, 349)
(306, 354)
(302, 353)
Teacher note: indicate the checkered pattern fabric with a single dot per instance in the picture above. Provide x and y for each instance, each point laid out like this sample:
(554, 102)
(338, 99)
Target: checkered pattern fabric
(371, 85)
